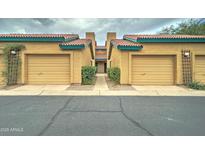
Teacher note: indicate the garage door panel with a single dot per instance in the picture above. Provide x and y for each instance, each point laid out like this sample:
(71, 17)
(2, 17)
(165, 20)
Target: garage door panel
(48, 69)
(50, 82)
(152, 70)
(46, 57)
(162, 83)
(48, 60)
(200, 62)
(50, 73)
(152, 77)
(151, 80)
(200, 68)
(147, 69)
(158, 61)
(47, 77)
(154, 81)
(147, 65)
(153, 74)
(49, 64)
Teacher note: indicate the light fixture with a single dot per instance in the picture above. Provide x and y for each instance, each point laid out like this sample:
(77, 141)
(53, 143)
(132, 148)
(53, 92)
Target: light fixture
(13, 52)
(186, 54)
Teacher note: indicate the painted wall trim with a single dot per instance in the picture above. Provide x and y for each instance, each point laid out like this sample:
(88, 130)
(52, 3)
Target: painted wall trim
(129, 48)
(72, 47)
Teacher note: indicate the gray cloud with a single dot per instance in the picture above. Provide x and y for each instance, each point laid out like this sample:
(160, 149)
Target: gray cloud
(44, 21)
(79, 26)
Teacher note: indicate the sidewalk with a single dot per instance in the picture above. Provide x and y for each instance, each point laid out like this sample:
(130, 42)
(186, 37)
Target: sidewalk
(100, 89)
(100, 84)
(142, 91)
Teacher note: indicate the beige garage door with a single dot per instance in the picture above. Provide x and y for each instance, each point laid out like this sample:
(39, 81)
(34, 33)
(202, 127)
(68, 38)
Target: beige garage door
(200, 69)
(1, 69)
(152, 70)
(48, 69)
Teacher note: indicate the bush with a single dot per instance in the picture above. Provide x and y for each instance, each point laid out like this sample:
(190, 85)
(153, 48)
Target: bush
(114, 74)
(196, 85)
(88, 74)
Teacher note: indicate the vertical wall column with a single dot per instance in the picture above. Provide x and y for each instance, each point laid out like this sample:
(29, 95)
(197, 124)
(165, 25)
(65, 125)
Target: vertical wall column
(91, 35)
(110, 36)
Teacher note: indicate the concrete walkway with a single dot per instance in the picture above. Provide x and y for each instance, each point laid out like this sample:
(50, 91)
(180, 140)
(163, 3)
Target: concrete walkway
(100, 82)
(141, 91)
(100, 89)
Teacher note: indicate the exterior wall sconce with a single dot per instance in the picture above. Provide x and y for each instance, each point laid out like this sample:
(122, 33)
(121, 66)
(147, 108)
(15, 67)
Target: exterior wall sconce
(13, 52)
(187, 54)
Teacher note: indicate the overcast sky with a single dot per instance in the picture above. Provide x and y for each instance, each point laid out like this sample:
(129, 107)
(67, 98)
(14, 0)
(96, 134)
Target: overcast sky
(80, 26)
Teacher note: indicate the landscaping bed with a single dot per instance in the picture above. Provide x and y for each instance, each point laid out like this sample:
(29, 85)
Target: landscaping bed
(196, 85)
(9, 87)
(82, 86)
(116, 86)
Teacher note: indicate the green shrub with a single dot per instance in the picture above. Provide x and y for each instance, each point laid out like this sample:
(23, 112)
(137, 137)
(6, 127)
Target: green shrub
(88, 74)
(196, 85)
(114, 74)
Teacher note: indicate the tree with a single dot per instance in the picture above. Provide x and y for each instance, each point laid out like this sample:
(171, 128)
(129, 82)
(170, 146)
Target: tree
(189, 27)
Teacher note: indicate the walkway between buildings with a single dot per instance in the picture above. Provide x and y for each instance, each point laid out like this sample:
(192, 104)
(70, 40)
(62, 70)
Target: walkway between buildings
(100, 82)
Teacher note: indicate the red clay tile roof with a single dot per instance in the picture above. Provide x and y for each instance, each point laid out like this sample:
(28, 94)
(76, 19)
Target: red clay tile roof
(66, 36)
(77, 42)
(120, 42)
(135, 37)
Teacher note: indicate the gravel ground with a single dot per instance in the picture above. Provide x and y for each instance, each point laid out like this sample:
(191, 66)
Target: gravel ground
(115, 86)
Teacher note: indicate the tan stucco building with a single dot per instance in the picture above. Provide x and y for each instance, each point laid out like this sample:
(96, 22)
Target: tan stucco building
(50, 58)
(142, 59)
(158, 59)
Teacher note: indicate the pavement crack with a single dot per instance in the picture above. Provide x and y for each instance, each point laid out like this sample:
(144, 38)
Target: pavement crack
(92, 111)
(157, 92)
(41, 92)
(137, 124)
(55, 116)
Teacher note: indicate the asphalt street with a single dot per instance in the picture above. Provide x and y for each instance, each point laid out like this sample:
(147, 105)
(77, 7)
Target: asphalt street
(101, 116)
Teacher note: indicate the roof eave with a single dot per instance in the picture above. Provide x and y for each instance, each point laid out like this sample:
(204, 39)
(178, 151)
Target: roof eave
(166, 40)
(171, 40)
(129, 48)
(72, 47)
(36, 39)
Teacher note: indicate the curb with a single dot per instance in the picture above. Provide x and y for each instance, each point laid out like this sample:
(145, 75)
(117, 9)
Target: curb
(99, 93)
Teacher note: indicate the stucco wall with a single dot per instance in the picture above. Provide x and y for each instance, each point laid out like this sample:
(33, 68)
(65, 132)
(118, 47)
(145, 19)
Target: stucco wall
(86, 57)
(78, 57)
(124, 62)
(115, 58)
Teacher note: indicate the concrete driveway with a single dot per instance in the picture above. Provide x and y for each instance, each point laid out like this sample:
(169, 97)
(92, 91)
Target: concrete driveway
(41, 87)
(99, 90)
(67, 115)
